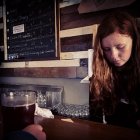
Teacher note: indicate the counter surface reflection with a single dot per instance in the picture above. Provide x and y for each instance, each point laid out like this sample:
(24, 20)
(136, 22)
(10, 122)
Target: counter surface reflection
(61, 128)
(78, 129)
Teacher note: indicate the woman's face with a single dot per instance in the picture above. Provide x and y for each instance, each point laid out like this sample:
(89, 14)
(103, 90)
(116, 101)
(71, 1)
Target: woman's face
(117, 48)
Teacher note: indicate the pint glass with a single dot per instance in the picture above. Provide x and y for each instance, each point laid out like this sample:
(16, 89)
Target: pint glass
(18, 109)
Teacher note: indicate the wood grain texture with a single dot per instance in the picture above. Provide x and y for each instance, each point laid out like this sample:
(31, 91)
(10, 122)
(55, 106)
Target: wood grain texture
(76, 43)
(70, 17)
(51, 72)
(78, 129)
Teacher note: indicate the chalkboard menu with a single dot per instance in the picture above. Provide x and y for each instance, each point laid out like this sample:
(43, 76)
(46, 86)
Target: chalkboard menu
(31, 29)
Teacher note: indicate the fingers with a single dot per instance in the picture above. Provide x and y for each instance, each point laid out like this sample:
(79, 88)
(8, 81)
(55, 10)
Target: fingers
(34, 127)
(36, 130)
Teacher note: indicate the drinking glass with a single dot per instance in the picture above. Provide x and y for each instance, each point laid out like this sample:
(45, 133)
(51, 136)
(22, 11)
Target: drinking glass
(18, 109)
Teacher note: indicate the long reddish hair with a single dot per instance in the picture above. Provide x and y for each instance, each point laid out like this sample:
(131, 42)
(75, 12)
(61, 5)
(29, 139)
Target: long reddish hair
(103, 80)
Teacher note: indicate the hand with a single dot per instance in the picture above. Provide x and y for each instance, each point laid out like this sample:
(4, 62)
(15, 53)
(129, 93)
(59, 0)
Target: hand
(36, 130)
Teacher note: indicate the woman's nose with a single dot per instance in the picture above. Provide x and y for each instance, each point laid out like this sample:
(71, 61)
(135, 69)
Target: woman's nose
(114, 54)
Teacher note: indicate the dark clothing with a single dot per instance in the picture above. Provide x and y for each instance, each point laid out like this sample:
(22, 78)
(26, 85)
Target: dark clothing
(19, 135)
(123, 106)
(124, 115)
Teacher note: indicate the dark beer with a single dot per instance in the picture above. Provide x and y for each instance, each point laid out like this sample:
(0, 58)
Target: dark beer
(17, 117)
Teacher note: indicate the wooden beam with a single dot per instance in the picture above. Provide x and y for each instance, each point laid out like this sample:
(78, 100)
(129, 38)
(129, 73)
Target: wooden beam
(51, 72)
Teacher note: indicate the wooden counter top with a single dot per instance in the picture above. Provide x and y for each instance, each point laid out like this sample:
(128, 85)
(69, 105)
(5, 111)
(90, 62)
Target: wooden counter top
(77, 129)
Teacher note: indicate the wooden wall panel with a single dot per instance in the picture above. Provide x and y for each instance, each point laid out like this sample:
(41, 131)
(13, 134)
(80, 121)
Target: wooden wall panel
(76, 43)
(61, 72)
(51, 72)
(70, 18)
(47, 72)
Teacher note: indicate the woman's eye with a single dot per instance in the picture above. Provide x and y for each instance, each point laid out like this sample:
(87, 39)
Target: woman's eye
(121, 46)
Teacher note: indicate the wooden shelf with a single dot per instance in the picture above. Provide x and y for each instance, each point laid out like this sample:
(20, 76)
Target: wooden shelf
(48, 72)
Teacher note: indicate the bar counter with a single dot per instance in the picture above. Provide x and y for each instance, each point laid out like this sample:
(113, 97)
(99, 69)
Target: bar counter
(78, 129)
(61, 128)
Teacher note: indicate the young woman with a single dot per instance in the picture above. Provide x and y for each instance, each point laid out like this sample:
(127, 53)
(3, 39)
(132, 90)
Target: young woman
(115, 84)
